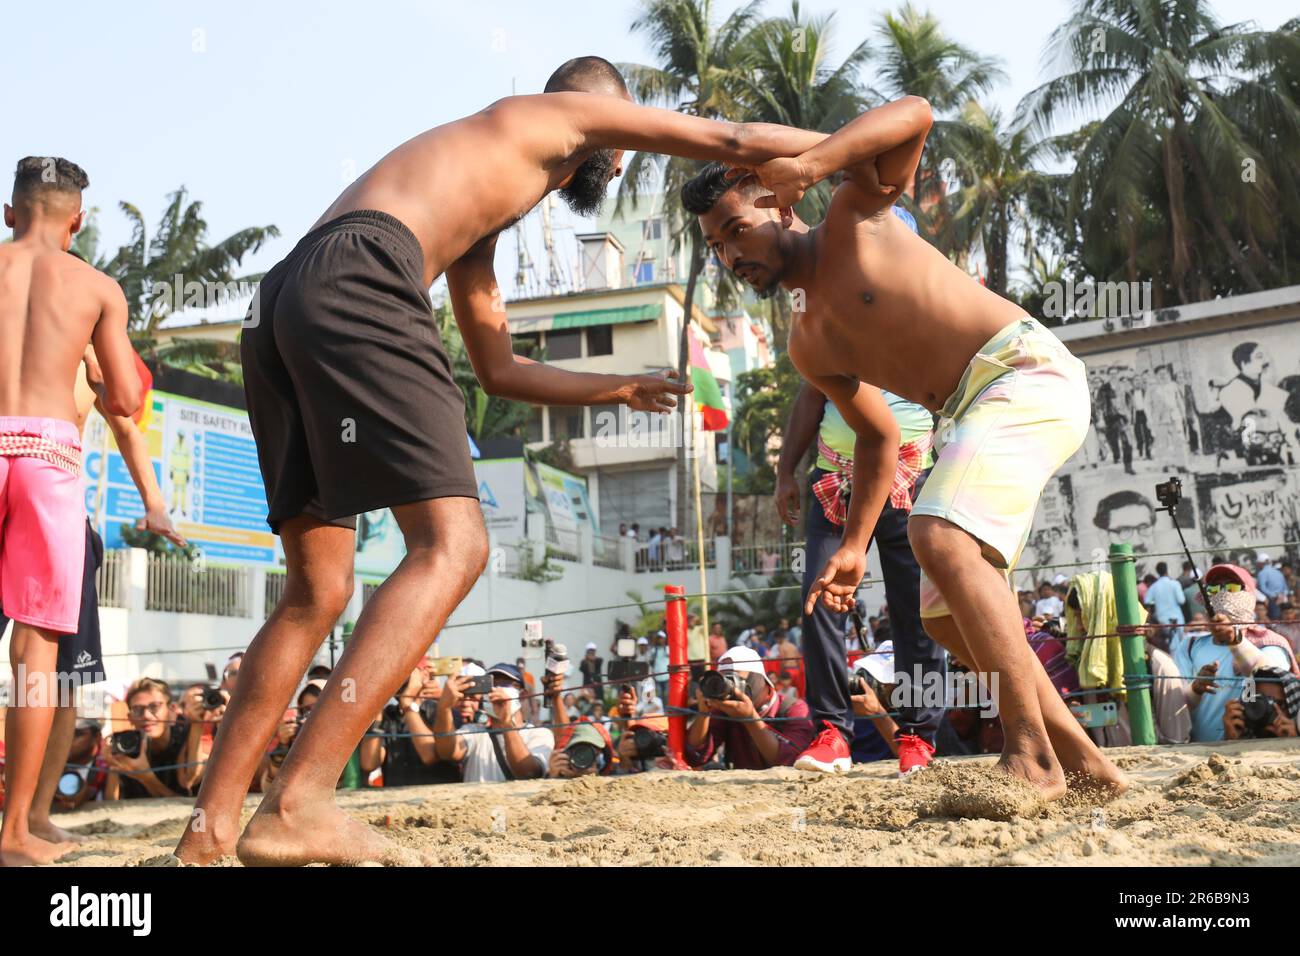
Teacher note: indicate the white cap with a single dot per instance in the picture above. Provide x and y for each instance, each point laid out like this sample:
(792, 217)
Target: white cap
(742, 660)
(643, 640)
(471, 670)
(1060, 579)
(1262, 558)
(880, 664)
(591, 645)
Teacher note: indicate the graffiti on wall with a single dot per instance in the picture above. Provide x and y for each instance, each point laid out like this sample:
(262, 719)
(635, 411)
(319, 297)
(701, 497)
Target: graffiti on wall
(1222, 413)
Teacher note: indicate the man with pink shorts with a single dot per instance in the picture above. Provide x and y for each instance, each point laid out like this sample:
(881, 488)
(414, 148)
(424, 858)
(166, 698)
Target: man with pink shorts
(42, 541)
(52, 306)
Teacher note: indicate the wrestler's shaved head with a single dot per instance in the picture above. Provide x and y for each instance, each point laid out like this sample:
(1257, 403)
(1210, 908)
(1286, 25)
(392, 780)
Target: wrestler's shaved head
(587, 74)
(584, 193)
(48, 184)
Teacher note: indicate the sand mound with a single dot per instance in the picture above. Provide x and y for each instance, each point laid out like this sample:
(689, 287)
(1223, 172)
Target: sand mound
(981, 793)
(1232, 803)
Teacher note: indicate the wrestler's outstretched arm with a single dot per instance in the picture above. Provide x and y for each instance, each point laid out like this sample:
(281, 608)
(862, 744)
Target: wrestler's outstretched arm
(481, 315)
(878, 152)
(122, 392)
(611, 122)
(133, 448)
(875, 458)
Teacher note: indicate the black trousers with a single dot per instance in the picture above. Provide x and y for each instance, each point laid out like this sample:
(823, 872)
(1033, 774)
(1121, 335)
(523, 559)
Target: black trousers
(825, 657)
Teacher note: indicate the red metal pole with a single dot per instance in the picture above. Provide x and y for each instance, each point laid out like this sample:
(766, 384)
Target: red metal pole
(679, 677)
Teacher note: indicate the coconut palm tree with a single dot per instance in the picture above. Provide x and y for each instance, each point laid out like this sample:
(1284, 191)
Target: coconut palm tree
(1186, 101)
(789, 81)
(915, 56)
(146, 268)
(997, 166)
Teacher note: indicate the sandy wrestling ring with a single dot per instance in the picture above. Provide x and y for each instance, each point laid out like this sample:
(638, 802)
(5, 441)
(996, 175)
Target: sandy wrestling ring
(1194, 805)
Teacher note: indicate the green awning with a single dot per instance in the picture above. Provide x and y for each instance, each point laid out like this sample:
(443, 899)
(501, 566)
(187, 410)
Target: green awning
(578, 320)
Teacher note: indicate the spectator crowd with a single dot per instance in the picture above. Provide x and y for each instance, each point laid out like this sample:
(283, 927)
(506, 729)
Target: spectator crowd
(1224, 672)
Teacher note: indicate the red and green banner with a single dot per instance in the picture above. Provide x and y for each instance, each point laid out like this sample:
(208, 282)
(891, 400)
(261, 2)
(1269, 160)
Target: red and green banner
(708, 396)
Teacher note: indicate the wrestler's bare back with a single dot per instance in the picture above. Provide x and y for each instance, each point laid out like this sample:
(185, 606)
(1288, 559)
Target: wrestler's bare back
(465, 181)
(468, 179)
(887, 308)
(51, 305)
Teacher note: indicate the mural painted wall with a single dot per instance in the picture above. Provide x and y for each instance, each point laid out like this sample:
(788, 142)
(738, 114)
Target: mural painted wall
(1222, 413)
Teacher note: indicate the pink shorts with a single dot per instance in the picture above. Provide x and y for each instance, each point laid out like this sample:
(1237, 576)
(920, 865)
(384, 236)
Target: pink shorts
(42, 522)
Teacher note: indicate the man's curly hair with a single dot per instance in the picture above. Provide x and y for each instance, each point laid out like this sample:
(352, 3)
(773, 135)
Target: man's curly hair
(702, 192)
(48, 178)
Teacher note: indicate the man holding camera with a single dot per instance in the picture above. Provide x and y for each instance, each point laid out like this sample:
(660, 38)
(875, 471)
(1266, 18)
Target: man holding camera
(506, 748)
(740, 712)
(146, 760)
(287, 732)
(1233, 646)
(401, 739)
(1271, 713)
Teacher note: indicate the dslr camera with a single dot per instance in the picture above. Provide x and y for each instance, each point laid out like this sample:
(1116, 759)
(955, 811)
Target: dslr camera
(725, 685)
(1259, 715)
(213, 698)
(128, 743)
(1169, 493)
(582, 755)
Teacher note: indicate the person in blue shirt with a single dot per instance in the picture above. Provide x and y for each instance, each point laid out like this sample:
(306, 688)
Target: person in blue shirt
(1271, 583)
(1196, 652)
(1165, 597)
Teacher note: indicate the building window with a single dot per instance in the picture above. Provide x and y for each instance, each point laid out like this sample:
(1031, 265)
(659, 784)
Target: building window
(600, 340)
(564, 345)
(566, 422)
(645, 272)
(527, 344)
(652, 229)
(533, 428)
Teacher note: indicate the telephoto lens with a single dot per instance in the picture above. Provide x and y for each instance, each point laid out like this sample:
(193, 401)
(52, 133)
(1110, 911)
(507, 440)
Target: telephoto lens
(714, 685)
(582, 756)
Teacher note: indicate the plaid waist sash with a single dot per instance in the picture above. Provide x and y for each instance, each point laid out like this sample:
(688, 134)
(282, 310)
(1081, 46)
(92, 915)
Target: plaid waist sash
(832, 489)
(67, 457)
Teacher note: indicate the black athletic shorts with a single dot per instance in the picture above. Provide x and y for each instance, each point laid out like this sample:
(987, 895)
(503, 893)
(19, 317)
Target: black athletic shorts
(81, 654)
(350, 393)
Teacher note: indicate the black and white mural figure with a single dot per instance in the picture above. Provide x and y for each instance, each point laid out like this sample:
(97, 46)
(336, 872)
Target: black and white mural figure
(1248, 418)
(1221, 411)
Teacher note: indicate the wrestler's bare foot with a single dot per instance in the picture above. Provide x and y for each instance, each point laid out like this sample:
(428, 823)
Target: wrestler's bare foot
(46, 830)
(1095, 776)
(1040, 771)
(32, 851)
(316, 833)
(204, 847)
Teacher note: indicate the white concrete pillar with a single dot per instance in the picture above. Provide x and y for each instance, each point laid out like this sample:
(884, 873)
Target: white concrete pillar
(257, 602)
(137, 580)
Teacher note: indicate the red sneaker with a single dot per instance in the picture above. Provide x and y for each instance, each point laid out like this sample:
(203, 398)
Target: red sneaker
(829, 753)
(913, 754)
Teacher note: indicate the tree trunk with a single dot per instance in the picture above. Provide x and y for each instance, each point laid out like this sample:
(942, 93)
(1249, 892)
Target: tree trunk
(1182, 262)
(997, 252)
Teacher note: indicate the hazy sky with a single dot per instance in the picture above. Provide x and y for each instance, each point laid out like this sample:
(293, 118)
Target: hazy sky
(264, 110)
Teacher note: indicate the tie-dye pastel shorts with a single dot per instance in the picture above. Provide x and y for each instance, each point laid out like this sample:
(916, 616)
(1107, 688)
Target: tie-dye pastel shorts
(1019, 412)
